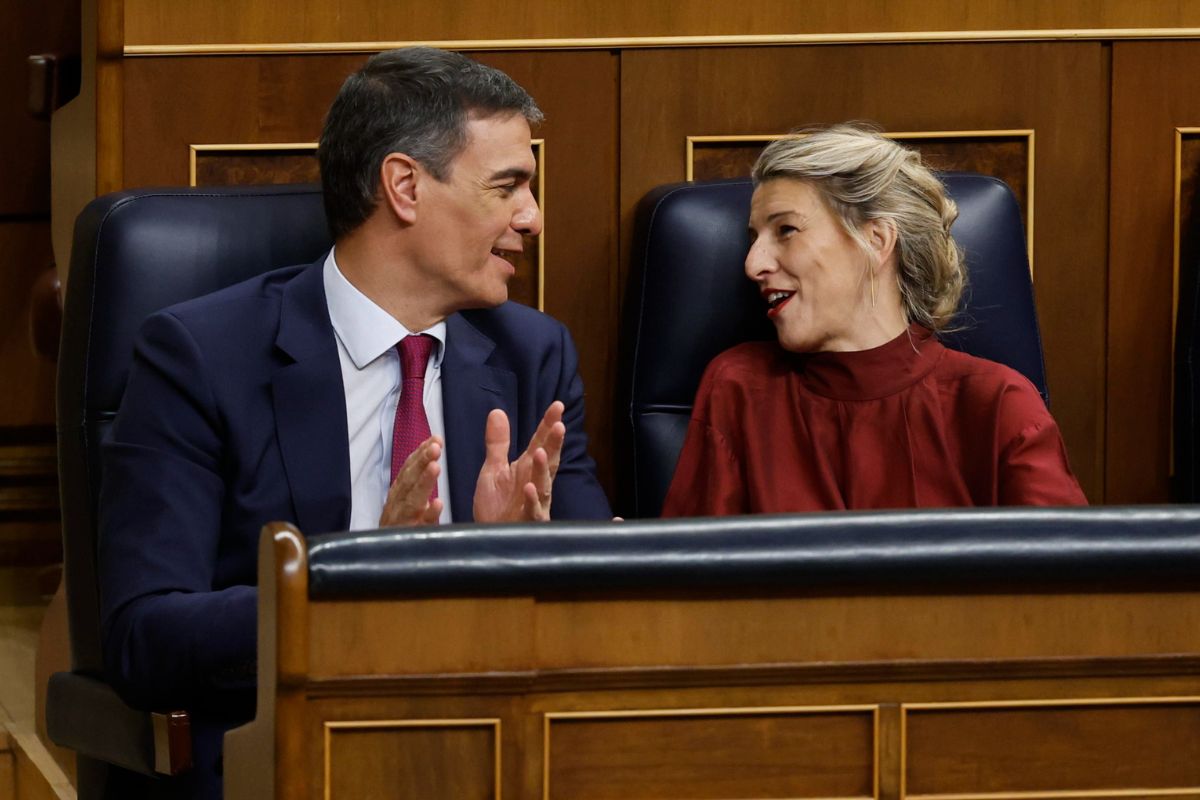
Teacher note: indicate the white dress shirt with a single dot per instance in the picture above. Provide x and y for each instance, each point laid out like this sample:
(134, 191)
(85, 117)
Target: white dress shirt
(367, 337)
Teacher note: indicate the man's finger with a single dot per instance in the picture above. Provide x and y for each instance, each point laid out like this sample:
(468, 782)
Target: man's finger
(427, 451)
(532, 508)
(554, 446)
(552, 417)
(540, 475)
(433, 512)
(496, 438)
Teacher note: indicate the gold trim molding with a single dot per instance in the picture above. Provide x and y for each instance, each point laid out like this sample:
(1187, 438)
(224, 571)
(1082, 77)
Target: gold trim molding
(637, 42)
(1014, 133)
(1081, 794)
(392, 724)
(737, 711)
(539, 152)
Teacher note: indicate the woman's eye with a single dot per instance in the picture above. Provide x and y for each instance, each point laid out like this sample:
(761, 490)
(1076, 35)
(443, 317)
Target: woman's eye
(786, 230)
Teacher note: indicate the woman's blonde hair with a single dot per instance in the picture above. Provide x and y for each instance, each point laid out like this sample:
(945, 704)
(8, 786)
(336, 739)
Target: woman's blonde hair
(863, 176)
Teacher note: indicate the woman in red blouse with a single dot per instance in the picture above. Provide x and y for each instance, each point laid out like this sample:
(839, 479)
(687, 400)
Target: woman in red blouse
(859, 405)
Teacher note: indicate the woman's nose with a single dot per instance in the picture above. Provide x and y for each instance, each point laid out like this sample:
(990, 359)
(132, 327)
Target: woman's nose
(758, 262)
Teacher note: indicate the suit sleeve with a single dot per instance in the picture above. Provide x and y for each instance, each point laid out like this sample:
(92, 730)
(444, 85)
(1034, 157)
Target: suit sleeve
(1033, 469)
(577, 492)
(170, 640)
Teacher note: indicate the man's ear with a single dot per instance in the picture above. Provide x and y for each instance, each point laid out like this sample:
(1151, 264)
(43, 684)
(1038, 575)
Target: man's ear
(398, 177)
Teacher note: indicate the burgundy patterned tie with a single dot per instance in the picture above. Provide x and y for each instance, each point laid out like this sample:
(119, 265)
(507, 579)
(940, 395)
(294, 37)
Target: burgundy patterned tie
(412, 426)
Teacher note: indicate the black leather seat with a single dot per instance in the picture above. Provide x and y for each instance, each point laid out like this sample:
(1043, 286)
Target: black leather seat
(688, 300)
(134, 253)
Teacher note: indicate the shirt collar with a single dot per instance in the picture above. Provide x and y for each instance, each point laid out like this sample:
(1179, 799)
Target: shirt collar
(365, 329)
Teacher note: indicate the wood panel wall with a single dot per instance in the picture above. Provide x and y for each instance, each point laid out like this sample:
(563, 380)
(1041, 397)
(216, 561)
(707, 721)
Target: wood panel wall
(154, 22)
(1103, 111)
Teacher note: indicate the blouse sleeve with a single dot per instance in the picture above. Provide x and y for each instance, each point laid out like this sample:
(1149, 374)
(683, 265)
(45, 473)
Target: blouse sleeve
(709, 478)
(1034, 470)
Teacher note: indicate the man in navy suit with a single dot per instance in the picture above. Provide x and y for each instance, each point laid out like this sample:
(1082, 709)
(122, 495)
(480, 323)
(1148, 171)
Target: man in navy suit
(276, 399)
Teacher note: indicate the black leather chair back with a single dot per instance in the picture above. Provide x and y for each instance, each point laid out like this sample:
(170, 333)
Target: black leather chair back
(688, 300)
(134, 253)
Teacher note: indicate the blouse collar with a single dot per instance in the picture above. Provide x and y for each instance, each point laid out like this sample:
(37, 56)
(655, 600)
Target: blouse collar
(875, 373)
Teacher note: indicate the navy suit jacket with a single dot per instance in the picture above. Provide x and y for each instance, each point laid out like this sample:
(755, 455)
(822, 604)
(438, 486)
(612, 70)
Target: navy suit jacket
(234, 416)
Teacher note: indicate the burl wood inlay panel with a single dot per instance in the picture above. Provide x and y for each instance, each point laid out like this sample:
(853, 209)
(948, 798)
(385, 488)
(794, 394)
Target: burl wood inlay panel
(1004, 156)
(737, 755)
(249, 167)
(411, 761)
(1053, 748)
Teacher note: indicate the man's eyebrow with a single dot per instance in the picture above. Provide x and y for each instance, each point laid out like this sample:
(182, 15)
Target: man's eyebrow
(519, 173)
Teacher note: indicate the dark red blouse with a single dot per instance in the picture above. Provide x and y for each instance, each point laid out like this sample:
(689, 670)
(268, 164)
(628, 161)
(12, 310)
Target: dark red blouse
(909, 424)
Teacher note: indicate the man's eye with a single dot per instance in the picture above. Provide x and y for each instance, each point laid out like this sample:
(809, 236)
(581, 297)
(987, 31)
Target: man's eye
(507, 189)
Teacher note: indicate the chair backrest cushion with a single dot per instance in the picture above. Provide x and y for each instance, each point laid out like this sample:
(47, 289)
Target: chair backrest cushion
(136, 252)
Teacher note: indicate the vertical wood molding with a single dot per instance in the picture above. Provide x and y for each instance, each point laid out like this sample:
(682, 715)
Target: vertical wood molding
(110, 98)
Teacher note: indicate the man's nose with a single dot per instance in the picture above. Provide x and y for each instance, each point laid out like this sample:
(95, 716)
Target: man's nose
(528, 218)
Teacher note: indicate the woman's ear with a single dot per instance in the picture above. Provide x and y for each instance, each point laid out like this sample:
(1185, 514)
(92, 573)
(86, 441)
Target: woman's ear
(881, 235)
(398, 178)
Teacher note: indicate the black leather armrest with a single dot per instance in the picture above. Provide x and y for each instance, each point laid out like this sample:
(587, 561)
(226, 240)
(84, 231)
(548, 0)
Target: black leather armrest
(928, 550)
(85, 714)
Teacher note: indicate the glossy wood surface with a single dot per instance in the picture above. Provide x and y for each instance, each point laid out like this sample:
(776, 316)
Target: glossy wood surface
(514, 634)
(754, 695)
(1153, 94)
(417, 762)
(712, 756)
(156, 22)
(1053, 748)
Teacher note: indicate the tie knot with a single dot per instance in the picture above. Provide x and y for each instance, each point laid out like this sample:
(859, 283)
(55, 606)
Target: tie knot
(414, 355)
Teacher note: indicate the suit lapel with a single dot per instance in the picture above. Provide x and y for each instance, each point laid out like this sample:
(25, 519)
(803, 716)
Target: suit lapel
(470, 389)
(310, 407)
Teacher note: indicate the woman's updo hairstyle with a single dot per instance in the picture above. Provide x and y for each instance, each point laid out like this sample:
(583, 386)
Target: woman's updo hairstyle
(863, 176)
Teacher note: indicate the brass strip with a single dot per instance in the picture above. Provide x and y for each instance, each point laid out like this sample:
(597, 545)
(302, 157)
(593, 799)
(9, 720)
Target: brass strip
(545, 757)
(875, 754)
(1028, 133)
(539, 149)
(1056, 703)
(1070, 793)
(739, 711)
(635, 42)
(343, 725)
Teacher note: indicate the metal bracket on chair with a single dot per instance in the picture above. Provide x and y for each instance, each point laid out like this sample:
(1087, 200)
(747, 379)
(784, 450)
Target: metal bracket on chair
(172, 742)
